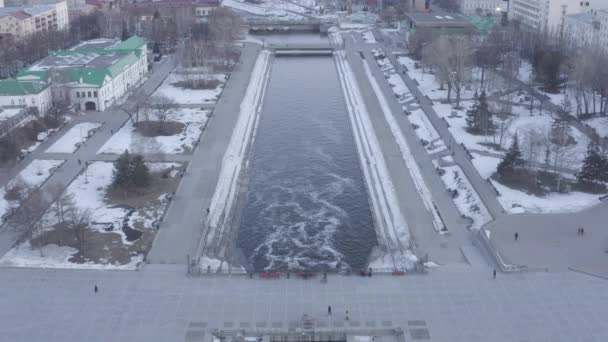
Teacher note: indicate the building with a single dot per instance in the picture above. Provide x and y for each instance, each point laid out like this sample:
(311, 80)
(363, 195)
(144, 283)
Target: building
(549, 14)
(587, 29)
(482, 7)
(200, 9)
(444, 23)
(22, 21)
(90, 76)
(31, 94)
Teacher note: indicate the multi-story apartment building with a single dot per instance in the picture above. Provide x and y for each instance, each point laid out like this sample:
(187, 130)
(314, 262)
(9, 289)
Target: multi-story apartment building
(22, 21)
(484, 7)
(549, 15)
(587, 29)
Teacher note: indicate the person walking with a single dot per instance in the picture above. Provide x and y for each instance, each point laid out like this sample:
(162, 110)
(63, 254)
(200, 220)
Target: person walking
(516, 235)
(494, 274)
(96, 289)
(329, 310)
(346, 315)
(79, 162)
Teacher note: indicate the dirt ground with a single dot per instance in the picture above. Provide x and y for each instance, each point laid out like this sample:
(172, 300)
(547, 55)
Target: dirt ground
(109, 247)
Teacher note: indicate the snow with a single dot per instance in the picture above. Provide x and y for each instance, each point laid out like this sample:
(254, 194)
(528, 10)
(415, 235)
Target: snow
(394, 236)
(54, 256)
(191, 96)
(406, 154)
(34, 175)
(368, 36)
(259, 10)
(525, 72)
(127, 138)
(515, 201)
(467, 201)
(600, 124)
(486, 166)
(7, 113)
(224, 196)
(77, 135)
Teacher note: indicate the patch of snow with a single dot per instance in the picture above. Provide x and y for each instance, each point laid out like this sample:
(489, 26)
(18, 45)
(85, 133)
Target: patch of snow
(431, 264)
(369, 38)
(515, 201)
(467, 201)
(127, 138)
(486, 166)
(191, 96)
(54, 256)
(71, 140)
(406, 154)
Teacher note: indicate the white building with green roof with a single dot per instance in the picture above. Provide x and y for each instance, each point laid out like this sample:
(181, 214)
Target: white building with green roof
(90, 76)
(32, 94)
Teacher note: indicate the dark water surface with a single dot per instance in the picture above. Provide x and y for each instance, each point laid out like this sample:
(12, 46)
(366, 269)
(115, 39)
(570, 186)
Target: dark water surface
(306, 205)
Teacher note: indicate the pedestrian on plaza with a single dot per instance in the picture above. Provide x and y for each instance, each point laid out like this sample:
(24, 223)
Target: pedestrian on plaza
(111, 131)
(494, 274)
(582, 231)
(329, 310)
(516, 235)
(96, 289)
(79, 162)
(346, 315)
(369, 273)
(208, 211)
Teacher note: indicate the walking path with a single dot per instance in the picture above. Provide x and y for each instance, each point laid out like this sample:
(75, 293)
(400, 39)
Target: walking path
(159, 303)
(182, 227)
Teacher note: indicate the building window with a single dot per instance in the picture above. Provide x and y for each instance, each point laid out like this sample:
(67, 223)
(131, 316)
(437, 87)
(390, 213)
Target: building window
(89, 94)
(77, 94)
(95, 94)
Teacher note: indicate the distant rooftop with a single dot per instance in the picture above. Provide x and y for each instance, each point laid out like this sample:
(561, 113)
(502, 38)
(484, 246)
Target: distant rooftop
(23, 12)
(437, 18)
(586, 18)
(95, 44)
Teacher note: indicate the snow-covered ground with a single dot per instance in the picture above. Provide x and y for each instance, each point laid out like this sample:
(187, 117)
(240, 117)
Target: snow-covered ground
(271, 10)
(600, 124)
(467, 201)
(127, 138)
(54, 256)
(76, 136)
(191, 96)
(368, 36)
(515, 201)
(406, 154)
(486, 166)
(89, 191)
(33, 176)
(393, 231)
(422, 126)
(42, 136)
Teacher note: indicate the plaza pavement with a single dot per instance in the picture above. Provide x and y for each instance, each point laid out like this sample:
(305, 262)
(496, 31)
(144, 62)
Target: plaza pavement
(159, 303)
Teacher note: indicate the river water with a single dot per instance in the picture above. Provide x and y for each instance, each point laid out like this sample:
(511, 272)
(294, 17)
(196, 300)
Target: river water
(306, 206)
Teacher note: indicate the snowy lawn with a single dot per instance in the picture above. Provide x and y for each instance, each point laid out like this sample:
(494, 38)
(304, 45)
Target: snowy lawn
(194, 121)
(466, 199)
(600, 124)
(486, 166)
(76, 136)
(33, 176)
(515, 201)
(270, 11)
(120, 229)
(181, 95)
(368, 36)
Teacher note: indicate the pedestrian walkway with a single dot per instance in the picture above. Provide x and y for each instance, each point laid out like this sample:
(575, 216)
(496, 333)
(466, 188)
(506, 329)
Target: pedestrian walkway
(160, 303)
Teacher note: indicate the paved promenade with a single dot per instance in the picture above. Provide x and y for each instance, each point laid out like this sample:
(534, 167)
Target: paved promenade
(160, 303)
(182, 228)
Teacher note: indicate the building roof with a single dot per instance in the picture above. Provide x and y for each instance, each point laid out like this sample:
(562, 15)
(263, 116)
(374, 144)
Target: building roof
(12, 87)
(20, 15)
(585, 18)
(437, 19)
(88, 63)
(25, 11)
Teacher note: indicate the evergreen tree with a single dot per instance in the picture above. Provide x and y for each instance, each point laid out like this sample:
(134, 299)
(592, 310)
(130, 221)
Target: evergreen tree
(125, 32)
(512, 159)
(121, 176)
(594, 165)
(140, 174)
(473, 114)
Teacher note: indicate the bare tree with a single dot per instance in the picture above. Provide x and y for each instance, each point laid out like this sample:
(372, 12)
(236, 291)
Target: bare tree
(161, 106)
(78, 224)
(27, 218)
(135, 105)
